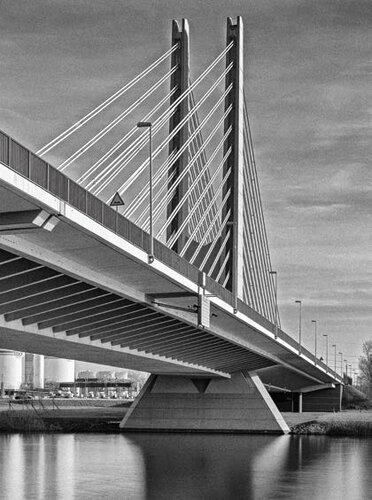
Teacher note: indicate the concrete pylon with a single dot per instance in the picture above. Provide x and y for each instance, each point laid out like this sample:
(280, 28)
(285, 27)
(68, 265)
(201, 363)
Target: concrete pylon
(180, 79)
(175, 403)
(235, 161)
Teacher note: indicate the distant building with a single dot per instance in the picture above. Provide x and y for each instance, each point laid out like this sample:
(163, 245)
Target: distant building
(59, 369)
(11, 368)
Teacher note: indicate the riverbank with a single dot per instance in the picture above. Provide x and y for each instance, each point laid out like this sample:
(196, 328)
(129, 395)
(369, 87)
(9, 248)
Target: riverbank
(105, 416)
(63, 416)
(356, 423)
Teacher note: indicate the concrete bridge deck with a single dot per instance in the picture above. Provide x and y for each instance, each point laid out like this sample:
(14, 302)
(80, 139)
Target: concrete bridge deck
(76, 283)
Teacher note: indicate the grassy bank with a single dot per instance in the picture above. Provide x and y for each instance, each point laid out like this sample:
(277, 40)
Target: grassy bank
(356, 423)
(335, 428)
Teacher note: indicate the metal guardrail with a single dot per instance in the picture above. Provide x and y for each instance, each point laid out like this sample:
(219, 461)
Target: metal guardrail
(37, 170)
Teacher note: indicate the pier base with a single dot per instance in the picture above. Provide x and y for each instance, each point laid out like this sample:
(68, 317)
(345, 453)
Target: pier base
(184, 404)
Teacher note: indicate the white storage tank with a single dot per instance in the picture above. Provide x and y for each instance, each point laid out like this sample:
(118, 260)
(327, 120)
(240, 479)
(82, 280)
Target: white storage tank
(105, 375)
(34, 370)
(11, 364)
(86, 374)
(59, 369)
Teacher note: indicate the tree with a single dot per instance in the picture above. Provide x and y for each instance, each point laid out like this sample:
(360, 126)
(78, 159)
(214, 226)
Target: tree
(365, 367)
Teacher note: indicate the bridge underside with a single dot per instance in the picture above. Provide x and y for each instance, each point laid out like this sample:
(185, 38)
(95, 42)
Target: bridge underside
(78, 290)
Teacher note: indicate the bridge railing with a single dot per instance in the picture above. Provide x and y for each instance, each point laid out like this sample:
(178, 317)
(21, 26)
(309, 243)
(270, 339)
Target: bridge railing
(37, 170)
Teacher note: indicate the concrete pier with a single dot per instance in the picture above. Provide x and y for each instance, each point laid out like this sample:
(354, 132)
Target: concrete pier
(184, 404)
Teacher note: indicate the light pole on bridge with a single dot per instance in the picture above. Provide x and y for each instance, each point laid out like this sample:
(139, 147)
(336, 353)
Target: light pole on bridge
(315, 338)
(342, 375)
(326, 336)
(275, 274)
(151, 231)
(334, 346)
(299, 323)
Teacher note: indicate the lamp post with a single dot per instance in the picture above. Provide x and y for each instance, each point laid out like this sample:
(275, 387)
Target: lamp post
(325, 335)
(342, 375)
(315, 338)
(334, 346)
(151, 231)
(275, 274)
(299, 324)
(345, 360)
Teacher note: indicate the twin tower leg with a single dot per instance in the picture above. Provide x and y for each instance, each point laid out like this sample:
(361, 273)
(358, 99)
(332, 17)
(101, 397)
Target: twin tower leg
(179, 403)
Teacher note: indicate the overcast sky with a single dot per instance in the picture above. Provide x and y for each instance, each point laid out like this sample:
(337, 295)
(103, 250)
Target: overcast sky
(306, 79)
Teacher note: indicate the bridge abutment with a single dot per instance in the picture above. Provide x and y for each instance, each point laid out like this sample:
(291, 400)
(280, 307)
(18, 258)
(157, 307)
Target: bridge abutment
(240, 404)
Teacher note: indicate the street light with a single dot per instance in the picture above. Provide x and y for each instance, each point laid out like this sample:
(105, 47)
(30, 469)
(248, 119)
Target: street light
(342, 375)
(334, 345)
(275, 274)
(151, 249)
(299, 323)
(325, 335)
(315, 338)
(345, 360)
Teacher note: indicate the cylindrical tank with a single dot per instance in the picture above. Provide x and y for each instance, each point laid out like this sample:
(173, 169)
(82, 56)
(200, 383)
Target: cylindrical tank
(59, 369)
(86, 374)
(38, 378)
(105, 375)
(34, 370)
(11, 363)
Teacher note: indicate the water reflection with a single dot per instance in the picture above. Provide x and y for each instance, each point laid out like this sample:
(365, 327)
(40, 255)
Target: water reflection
(180, 466)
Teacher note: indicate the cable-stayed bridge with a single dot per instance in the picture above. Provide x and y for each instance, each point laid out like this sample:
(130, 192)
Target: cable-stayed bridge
(177, 281)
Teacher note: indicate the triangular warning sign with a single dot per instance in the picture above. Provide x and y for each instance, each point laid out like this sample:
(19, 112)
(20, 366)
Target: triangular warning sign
(117, 201)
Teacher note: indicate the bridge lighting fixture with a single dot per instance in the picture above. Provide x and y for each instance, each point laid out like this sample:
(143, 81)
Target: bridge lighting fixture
(299, 323)
(151, 249)
(315, 338)
(275, 274)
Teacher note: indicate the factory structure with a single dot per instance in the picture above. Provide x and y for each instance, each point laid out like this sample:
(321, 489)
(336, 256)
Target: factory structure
(26, 371)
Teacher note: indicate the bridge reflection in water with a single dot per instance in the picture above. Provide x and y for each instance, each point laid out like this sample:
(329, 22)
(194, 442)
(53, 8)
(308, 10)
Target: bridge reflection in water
(181, 466)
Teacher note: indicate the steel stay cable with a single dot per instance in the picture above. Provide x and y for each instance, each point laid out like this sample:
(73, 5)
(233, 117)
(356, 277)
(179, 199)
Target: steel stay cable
(61, 137)
(219, 253)
(205, 189)
(218, 190)
(217, 235)
(252, 268)
(186, 170)
(83, 149)
(259, 243)
(196, 193)
(145, 191)
(226, 279)
(133, 149)
(164, 117)
(253, 239)
(253, 163)
(205, 144)
(184, 198)
(261, 225)
(130, 181)
(222, 268)
(116, 146)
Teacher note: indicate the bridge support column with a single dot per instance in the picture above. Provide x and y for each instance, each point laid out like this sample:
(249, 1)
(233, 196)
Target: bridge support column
(328, 399)
(184, 404)
(235, 161)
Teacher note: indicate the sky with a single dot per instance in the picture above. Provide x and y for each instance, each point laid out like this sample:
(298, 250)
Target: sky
(309, 98)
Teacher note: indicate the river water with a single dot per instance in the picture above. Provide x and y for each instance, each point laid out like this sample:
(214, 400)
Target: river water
(184, 467)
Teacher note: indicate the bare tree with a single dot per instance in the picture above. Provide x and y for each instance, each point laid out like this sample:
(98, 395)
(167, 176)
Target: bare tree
(365, 367)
